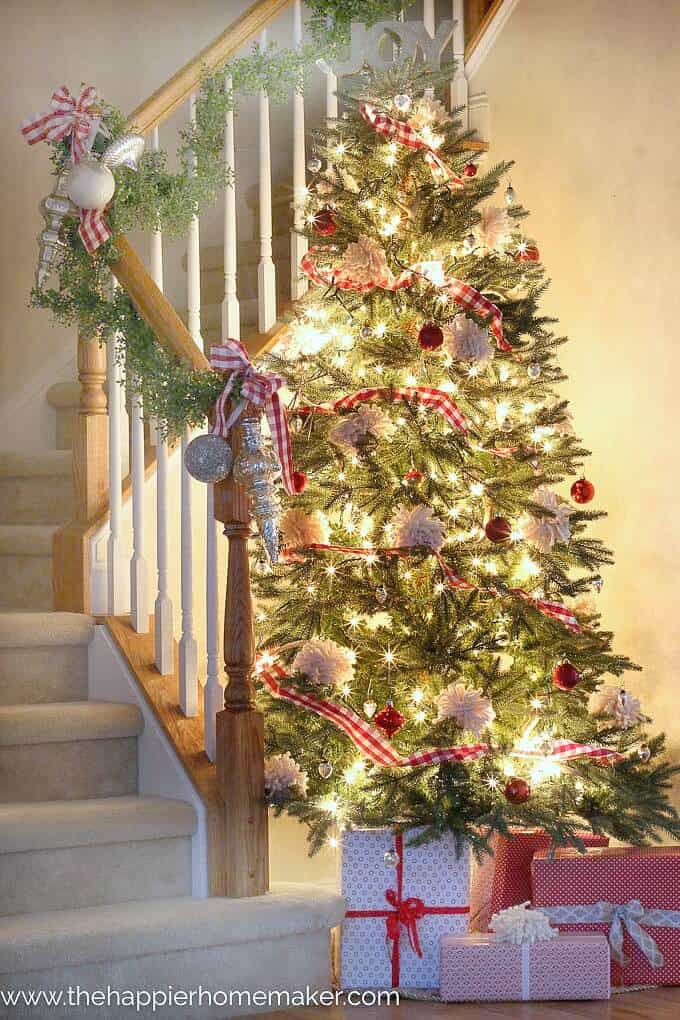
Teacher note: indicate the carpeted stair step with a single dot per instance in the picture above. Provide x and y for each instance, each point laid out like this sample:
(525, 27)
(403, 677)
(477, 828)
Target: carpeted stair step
(64, 854)
(68, 750)
(26, 566)
(43, 657)
(36, 488)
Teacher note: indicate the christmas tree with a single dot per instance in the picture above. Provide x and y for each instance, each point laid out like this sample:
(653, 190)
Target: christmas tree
(430, 648)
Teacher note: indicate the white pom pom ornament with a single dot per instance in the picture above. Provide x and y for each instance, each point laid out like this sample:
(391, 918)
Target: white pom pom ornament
(467, 705)
(91, 185)
(325, 662)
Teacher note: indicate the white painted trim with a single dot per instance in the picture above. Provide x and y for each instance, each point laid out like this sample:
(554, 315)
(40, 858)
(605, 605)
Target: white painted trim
(487, 41)
(160, 772)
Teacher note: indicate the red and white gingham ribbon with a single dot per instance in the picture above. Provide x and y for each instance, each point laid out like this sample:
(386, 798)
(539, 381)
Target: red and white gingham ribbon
(404, 134)
(436, 400)
(78, 117)
(337, 278)
(93, 229)
(472, 301)
(567, 750)
(260, 388)
(364, 736)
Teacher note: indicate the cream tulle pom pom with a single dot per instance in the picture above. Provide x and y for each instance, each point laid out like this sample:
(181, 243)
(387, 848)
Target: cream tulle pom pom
(522, 925)
(325, 662)
(283, 777)
(618, 704)
(467, 705)
(364, 262)
(367, 421)
(466, 341)
(428, 111)
(494, 230)
(300, 529)
(543, 532)
(417, 527)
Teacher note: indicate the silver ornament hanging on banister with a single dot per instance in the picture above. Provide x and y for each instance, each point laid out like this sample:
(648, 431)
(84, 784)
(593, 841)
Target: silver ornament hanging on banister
(54, 208)
(255, 468)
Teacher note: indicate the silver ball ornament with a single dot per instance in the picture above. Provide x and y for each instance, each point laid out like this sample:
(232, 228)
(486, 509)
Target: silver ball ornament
(314, 165)
(325, 769)
(644, 753)
(534, 370)
(402, 102)
(208, 458)
(391, 858)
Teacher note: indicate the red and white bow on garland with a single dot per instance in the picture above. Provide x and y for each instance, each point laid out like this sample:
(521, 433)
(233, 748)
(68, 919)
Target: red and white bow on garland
(404, 134)
(259, 388)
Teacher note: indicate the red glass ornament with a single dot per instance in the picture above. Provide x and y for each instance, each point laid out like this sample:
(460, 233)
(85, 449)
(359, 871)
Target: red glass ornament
(470, 170)
(430, 337)
(300, 481)
(389, 720)
(324, 223)
(517, 790)
(565, 676)
(528, 253)
(582, 491)
(414, 475)
(498, 530)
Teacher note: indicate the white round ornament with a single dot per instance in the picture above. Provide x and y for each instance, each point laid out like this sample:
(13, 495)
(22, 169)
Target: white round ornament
(91, 185)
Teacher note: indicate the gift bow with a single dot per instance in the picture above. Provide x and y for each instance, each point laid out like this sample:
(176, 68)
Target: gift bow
(258, 388)
(407, 913)
(629, 916)
(77, 117)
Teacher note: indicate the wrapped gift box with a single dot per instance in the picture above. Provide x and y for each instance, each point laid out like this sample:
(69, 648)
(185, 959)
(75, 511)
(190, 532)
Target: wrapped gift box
(503, 877)
(397, 914)
(639, 890)
(482, 968)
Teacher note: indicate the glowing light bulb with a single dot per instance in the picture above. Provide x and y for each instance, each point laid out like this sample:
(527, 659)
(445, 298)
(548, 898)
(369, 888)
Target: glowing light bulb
(490, 567)
(341, 149)
(536, 703)
(508, 768)
(453, 477)
(354, 621)
(473, 371)
(330, 570)
(380, 328)
(410, 379)
(388, 229)
(439, 588)
(388, 657)
(544, 770)
(503, 373)
(333, 842)
(330, 805)
(417, 695)
(420, 716)
(477, 489)
(528, 567)
(311, 589)
(354, 772)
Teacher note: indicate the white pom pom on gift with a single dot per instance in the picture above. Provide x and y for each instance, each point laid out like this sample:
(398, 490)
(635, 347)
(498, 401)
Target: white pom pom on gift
(299, 529)
(324, 662)
(466, 341)
(91, 185)
(521, 925)
(467, 705)
(283, 777)
(417, 527)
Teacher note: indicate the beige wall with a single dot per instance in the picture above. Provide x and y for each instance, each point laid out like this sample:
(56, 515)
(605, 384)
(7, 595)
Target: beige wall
(584, 97)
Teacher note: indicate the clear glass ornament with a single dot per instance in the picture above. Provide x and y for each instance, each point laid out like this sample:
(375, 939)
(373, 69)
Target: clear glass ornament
(598, 584)
(510, 194)
(534, 370)
(325, 769)
(391, 858)
(314, 164)
(366, 332)
(402, 102)
(381, 594)
(468, 243)
(506, 425)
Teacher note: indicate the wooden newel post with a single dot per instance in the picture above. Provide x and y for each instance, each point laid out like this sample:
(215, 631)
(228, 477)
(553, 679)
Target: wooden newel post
(240, 727)
(90, 434)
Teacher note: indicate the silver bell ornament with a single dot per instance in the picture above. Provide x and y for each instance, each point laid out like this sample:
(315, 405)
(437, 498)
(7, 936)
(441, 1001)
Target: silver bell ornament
(208, 458)
(255, 469)
(91, 184)
(125, 151)
(391, 858)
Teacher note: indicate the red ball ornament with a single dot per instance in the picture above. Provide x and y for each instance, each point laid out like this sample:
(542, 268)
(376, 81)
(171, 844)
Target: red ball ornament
(470, 170)
(582, 491)
(517, 790)
(498, 530)
(430, 337)
(324, 223)
(389, 720)
(565, 676)
(527, 253)
(414, 475)
(300, 481)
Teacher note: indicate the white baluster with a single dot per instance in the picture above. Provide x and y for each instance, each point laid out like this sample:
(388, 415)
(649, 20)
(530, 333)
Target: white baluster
(213, 697)
(115, 561)
(266, 271)
(163, 636)
(139, 573)
(459, 85)
(298, 243)
(428, 17)
(194, 257)
(231, 320)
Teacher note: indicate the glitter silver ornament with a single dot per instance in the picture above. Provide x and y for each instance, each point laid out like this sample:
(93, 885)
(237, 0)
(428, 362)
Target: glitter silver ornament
(208, 458)
(644, 753)
(255, 469)
(369, 709)
(366, 332)
(325, 769)
(509, 194)
(53, 209)
(381, 594)
(125, 151)
(534, 370)
(391, 858)
(314, 164)
(402, 102)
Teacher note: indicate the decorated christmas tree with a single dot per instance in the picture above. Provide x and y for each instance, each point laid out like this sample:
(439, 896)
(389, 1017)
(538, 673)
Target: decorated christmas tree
(430, 646)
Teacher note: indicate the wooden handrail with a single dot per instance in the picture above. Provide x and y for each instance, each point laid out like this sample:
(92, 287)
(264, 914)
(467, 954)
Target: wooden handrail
(478, 15)
(178, 88)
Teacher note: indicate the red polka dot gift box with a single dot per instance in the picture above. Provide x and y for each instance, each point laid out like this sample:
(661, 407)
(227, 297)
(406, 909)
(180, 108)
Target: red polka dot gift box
(631, 895)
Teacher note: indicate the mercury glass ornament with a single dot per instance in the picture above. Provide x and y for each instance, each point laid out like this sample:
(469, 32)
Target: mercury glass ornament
(381, 594)
(53, 209)
(208, 458)
(402, 102)
(509, 194)
(255, 469)
(314, 164)
(366, 332)
(391, 858)
(125, 151)
(534, 370)
(325, 769)
(644, 753)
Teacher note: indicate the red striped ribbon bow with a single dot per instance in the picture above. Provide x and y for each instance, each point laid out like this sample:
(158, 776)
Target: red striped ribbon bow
(78, 117)
(93, 229)
(260, 388)
(437, 400)
(365, 737)
(404, 134)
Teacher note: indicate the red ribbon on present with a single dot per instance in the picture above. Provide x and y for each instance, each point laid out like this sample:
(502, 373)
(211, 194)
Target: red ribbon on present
(261, 389)
(364, 736)
(68, 116)
(404, 134)
(404, 915)
(437, 400)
